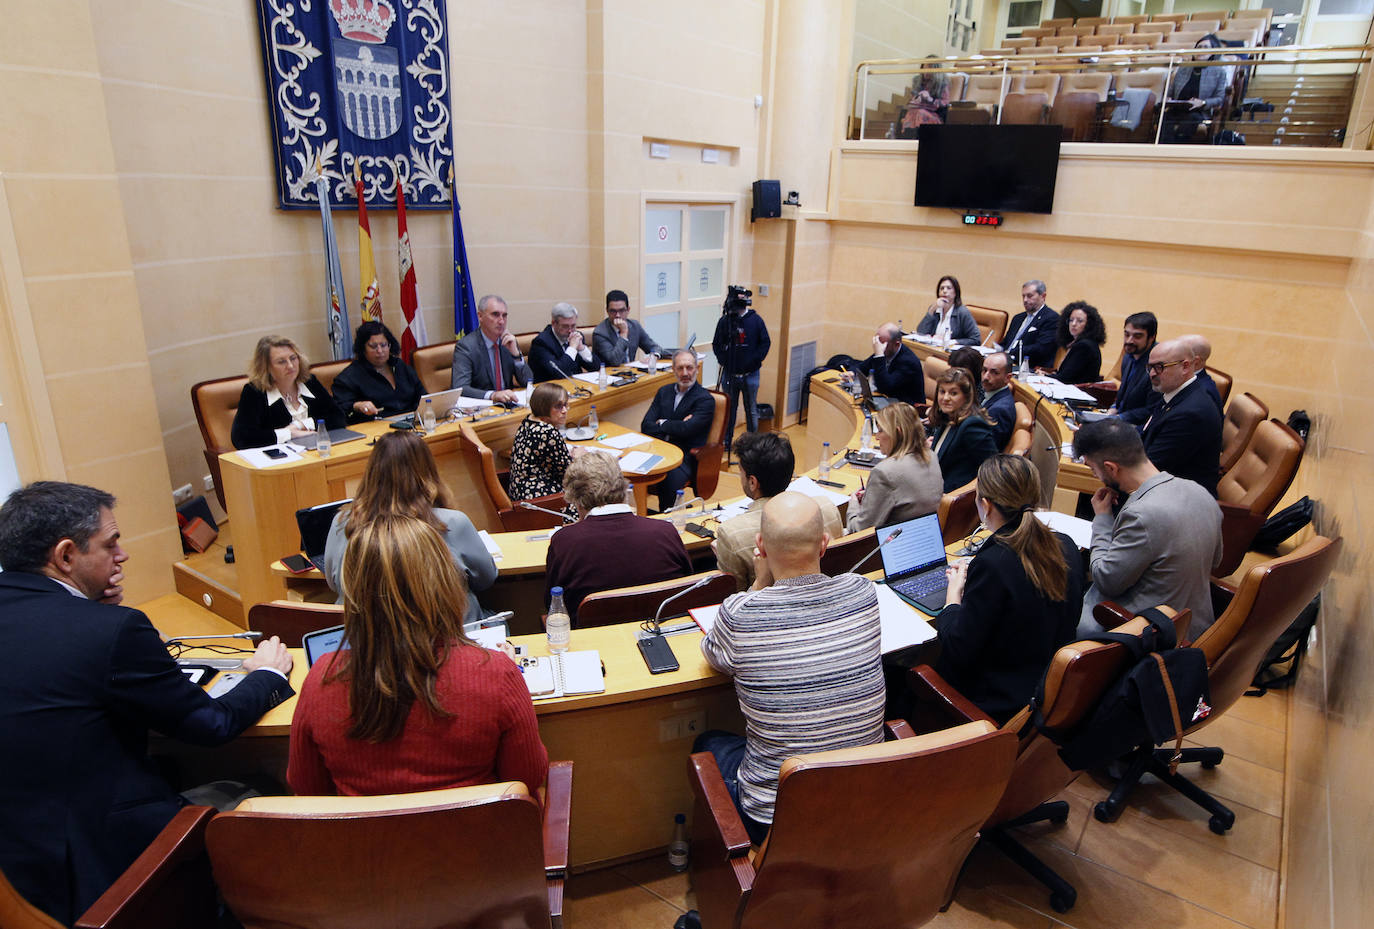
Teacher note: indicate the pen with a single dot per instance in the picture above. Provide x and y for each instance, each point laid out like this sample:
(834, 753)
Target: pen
(861, 482)
(602, 437)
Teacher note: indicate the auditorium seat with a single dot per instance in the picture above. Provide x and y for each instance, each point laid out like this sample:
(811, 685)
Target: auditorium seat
(1093, 21)
(1117, 29)
(1056, 23)
(513, 518)
(1223, 382)
(433, 364)
(1047, 84)
(872, 836)
(466, 856)
(1095, 82)
(1018, 43)
(709, 456)
(215, 403)
(1077, 30)
(1036, 32)
(1109, 40)
(1077, 114)
(1174, 18)
(992, 323)
(1243, 416)
(326, 371)
(1202, 26)
(932, 368)
(1023, 432)
(1218, 15)
(1248, 492)
(289, 620)
(641, 602)
(1022, 109)
(1161, 28)
(984, 92)
(1146, 39)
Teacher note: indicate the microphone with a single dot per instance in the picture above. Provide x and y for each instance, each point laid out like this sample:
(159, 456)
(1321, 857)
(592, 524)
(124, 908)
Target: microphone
(876, 549)
(685, 505)
(525, 504)
(197, 638)
(658, 630)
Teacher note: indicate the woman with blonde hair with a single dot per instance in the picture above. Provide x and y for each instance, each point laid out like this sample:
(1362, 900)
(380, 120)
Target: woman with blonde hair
(960, 432)
(402, 479)
(282, 399)
(1011, 606)
(906, 483)
(410, 703)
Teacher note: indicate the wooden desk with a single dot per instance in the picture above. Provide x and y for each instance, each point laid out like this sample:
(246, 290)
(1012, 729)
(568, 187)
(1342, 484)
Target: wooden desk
(262, 502)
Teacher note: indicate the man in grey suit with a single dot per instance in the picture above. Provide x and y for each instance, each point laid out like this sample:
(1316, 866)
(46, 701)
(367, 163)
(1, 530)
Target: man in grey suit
(1163, 543)
(487, 363)
(616, 338)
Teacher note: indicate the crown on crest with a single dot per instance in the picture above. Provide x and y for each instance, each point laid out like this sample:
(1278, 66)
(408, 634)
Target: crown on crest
(363, 20)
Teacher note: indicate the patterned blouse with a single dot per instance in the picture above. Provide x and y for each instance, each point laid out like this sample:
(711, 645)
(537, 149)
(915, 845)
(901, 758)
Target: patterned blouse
(537, 461)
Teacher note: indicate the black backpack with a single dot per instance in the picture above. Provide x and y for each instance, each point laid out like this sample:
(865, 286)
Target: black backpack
(1160, 694)
(1280, 666)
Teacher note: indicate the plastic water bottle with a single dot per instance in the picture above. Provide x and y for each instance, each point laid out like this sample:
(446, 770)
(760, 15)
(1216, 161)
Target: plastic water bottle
(601, 378)
(677, 849)
(653, 362)
(866, 437)
(592, 421)
(1025, 366)
(322, 443)
(823, 469)
(558, 626)
(427, 420)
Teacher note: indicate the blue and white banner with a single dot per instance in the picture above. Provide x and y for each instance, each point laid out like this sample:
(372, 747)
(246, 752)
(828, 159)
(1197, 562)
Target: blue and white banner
(362, 82)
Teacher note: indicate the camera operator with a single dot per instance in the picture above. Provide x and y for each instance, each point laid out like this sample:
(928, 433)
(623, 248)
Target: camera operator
(740, 345)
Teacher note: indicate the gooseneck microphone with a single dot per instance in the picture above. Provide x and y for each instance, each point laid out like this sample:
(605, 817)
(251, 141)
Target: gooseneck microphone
(658, 630)
(876, 549)
(525, 504)
(197, 638)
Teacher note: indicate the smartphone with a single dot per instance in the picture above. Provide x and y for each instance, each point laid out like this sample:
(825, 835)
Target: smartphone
(274, 453)
(297, 564)
(657, 654)
(700, 531)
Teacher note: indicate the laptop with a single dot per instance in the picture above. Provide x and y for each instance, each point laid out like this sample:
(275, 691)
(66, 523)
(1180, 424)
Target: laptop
(314, 523)
(336, 437)
(446, 401)
(873, 403)
(322, 642)
(914, 562)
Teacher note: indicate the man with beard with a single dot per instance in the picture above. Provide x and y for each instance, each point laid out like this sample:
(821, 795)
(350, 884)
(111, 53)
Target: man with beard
(1134, 398)
(1163, 542)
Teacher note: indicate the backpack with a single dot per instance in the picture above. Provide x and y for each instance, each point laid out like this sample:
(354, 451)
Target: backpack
(1160, 694)
(1280, 666)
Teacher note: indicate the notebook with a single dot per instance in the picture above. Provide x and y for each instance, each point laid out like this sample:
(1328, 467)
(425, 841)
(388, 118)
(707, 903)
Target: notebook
(914, 562)
(565, 675)
(314, 523)
(336, 437)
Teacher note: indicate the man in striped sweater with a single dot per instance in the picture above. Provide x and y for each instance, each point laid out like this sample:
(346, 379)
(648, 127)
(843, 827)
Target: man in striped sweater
(805, 652)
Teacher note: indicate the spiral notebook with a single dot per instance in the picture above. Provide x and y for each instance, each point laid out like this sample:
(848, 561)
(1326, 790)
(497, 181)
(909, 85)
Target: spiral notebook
(566, 675)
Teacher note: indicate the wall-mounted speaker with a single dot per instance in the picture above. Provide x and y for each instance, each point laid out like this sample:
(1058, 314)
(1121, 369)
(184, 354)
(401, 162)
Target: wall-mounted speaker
(767, 200)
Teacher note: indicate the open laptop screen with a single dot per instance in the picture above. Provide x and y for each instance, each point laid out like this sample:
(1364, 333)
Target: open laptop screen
(322, 642)
(919, 547)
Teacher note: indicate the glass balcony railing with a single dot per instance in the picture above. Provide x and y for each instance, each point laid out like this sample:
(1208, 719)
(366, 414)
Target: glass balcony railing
(1288, 95)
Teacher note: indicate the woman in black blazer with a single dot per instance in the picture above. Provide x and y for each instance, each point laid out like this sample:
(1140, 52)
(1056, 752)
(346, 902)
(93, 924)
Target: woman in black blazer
(378, 382)
(282, 399)
(1011, 606)
(960, 433)
(1082, 331)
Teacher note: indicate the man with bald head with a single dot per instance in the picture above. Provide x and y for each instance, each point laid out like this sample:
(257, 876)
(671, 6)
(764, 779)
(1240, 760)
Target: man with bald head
(1201, 350)
(893, 368)
(1183, 434)
(805, 652)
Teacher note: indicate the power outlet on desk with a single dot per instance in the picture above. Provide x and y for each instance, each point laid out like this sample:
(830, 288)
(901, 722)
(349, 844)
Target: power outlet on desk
(686, 726)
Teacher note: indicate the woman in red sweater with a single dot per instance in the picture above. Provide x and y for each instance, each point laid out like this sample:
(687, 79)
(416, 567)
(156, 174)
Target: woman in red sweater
(410, 703)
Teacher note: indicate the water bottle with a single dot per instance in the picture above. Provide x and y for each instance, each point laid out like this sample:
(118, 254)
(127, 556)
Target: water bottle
(823, 469)
(427, 420)
(601, 378)
(322, 443)
(558, 625)
(592, 421)
(1025, 366)
(653, 362)
(866, 438)
(677, 849)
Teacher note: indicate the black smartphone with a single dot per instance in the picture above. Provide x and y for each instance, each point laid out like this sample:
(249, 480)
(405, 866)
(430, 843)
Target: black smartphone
(297, 564)
(700, 531)
(657, 654)
(274, 453)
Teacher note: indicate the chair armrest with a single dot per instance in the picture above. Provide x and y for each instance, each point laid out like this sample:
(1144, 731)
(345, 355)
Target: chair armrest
(557, 815)
(898, 729)
(710, 789)
(934, 692)
(168, 884)
(1109, 614)
(1238, 528)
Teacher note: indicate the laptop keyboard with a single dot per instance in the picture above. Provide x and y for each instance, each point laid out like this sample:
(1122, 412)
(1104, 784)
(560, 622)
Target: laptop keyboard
(918, 587)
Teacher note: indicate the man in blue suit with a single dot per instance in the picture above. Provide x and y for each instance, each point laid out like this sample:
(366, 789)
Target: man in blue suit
(1134, 398)
(560, 351)
(997, 397)
(1033, 332)
(87, 679)
(680, 413)
(1182, 436)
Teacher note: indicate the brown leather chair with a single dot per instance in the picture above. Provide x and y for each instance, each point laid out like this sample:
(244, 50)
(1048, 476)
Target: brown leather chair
(1223, 382)
(1269, 598)
(166, 887)
(992, 324)
(932, 367)
(634, 604)
(215, 403)
(1022, 109)
(288, 620)
(1022, 433)
(1243, 417)
(1174, 18)
(1153, 26)
(433, 364)
(1077, 676)
(709, 456)
(1257, 481)
(326, 371)
(513, 518)
(1047, 84)
(871, 836)
(1077, 112)
(467, 856)
(845, 554)
(957, 513)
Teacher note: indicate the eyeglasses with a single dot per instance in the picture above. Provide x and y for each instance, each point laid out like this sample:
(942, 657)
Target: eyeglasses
(1157, 367)
(561, 406)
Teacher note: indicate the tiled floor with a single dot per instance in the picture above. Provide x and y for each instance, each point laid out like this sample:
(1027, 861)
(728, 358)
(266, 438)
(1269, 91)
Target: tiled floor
(1158, 865)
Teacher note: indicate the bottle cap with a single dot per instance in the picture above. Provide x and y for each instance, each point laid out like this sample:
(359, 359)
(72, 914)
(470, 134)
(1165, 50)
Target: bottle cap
(680, 818)
(557, 591)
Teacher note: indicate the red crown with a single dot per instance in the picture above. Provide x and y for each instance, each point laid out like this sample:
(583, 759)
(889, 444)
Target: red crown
(363, 20)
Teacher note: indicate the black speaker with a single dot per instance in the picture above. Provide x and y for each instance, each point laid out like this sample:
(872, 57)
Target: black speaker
(767, 200)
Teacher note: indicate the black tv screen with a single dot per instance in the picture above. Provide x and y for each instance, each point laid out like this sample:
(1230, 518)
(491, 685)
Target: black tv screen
(1004, 168)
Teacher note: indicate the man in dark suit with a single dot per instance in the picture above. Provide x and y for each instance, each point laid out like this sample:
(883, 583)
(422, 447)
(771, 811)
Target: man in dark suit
(681, 413)
(894, 368)
(1032, 333)
(487, 364)
(997, 397)
(79, 797)
(560, 351)
(1183, 436)
(1201, 349)
(617, 337)
(1134, 398)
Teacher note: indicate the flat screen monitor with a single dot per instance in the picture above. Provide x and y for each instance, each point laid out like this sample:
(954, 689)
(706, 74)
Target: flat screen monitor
(1003, 168)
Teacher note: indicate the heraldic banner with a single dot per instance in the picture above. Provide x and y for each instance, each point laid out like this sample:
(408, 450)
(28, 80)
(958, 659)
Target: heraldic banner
(360, 82)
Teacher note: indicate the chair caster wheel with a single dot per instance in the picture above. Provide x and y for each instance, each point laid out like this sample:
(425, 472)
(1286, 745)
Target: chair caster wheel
(1106, 813)
(1063, 902)
(1060, 819)
(1220, 824)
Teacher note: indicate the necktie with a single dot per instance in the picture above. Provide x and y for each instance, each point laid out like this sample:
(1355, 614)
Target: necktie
(498, 382)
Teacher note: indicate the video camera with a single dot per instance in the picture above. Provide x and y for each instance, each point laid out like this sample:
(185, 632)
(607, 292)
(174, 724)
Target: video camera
(738, 299)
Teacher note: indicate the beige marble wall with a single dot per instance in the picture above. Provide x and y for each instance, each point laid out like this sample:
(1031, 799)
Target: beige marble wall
(897, 29)
(69, 286)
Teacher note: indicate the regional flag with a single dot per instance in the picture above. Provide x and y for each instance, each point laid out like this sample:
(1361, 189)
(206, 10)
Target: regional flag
(464, 303)
(335, 303)
(367, 268)
(414, 335)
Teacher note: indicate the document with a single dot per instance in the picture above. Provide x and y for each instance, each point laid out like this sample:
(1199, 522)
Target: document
(640, 462)
(1055, 390)
(259, 457)
(492, 548)
(591, 377)
(1080, 530)
(643, 364)
(804, 485)
(902, 625)
(566, 675)
(628, 440)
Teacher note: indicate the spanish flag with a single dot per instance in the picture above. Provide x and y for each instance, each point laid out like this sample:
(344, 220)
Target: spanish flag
(367, 268)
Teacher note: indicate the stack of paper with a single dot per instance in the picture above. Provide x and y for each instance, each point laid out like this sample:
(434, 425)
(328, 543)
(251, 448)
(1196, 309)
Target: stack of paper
(640, 462)
(492, 548)
(804, 485)
(628, 440)
(258, 457)
(1080, 530)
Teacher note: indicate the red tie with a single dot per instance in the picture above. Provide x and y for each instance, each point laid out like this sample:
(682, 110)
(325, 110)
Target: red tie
(496, 366)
